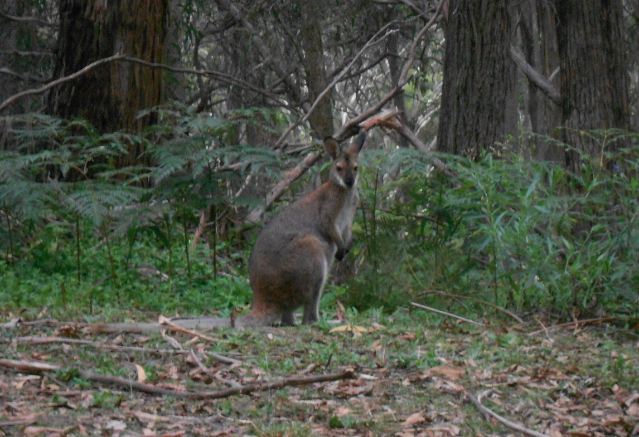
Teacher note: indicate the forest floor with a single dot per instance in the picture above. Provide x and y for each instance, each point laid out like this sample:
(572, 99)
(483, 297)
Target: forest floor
(392, 375)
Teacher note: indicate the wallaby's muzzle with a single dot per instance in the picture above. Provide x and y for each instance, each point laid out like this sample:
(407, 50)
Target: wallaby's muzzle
(349, 180)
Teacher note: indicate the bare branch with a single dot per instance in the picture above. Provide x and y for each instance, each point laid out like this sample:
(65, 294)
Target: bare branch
(535, 77)
(403, 77)
(281, 186)
(28, 20)
(265, 52)
(372, 41)
(217, 74)
(57, 82)
(389, 119)
(23, 76)
(498, 308)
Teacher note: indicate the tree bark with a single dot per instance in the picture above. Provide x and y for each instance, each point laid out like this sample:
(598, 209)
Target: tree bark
(479, 78)
(110, 97)
(321, 119)
(594, 84)
(547, 20)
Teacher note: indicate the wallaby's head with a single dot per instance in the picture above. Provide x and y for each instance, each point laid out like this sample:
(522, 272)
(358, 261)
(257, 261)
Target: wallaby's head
(344, 172)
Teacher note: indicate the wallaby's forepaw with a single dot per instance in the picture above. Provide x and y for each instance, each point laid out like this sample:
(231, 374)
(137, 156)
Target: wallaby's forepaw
(341, 254)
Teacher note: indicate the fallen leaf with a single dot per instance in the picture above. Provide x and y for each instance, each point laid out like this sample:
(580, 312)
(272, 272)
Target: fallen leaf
(342, 411)
(452, 429)
(408, 336)
(150, 417)
(450, 372)
(348, 328)
(115, 425)
(413, 419)
(376, 327)
(229, 431)
(141, 373)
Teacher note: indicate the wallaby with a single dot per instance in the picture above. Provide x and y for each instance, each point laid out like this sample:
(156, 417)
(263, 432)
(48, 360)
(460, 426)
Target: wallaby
(294, 253)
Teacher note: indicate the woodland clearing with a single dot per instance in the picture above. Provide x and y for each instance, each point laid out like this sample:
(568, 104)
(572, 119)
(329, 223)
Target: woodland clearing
(405, 374)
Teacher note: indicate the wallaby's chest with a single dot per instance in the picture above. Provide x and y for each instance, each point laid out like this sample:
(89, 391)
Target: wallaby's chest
(346, 213)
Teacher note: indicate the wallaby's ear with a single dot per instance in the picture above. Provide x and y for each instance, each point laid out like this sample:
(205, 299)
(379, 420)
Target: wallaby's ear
(357, 143)
(331, 147)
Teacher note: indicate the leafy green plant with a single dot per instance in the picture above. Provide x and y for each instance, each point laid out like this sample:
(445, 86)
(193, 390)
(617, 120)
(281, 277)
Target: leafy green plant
(515, 233)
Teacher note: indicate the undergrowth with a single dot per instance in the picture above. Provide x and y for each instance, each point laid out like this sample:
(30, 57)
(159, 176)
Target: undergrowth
(528, 236)
(84, 228)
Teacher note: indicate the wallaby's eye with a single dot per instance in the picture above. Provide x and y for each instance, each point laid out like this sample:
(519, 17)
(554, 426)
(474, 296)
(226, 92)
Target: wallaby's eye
(354, 168)
(340, 168)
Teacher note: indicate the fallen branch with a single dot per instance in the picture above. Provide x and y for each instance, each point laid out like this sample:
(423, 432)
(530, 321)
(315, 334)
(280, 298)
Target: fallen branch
(98, 345)
(206, 370)
(195, 323)
(34, 367)
(165, 321)
(575, 323)
(444, 313)
(483, 302)
(508, 423)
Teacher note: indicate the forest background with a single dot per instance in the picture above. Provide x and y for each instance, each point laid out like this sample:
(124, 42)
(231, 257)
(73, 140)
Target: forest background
(143, 144)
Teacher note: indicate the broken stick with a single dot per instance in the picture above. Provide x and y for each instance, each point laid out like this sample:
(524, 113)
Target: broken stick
(40, 367)
(516, 426)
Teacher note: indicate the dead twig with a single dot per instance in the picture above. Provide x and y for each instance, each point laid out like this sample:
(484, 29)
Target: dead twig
(498, 308)
(543, 327)
(446, 314)
(575, 323)
(206, 370)
(165, 321)
(35, 367)
(512, 425)
(98, 345)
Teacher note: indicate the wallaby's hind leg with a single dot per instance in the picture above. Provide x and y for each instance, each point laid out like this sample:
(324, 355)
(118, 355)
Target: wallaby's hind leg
(311, 306)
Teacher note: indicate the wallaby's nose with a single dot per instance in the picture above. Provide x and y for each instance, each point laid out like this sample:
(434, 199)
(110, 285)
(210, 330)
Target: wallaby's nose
(349, 180)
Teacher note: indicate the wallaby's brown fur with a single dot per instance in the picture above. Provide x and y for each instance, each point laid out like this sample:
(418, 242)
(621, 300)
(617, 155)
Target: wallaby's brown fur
(294, 253)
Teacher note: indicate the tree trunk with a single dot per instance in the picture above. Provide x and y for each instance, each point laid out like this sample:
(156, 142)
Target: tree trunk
(111, 96)
(479, 78)
(321, 120)
(549, 67)
(594, 84)
(537, 28)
